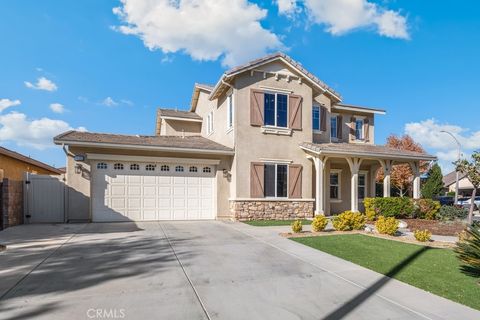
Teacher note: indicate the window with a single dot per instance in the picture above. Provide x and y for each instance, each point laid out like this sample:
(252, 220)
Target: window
(335, 185)
(150, 167)
(210, 123)
(362, 185)
(102, 165)
(230, 111)
(118, 166)
(179, 169)
(359, 129)
(276, 180)
(276, 109)
(134, 167)
(334, 127)
(193, 169)
(316, 118)
(207, 170)
(164, 168)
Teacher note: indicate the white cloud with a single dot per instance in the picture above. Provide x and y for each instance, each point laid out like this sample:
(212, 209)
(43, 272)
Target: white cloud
(204, 29)
(428, 134)
(342, 16)
(57, 107)
(7, 103)
(109, 102)
(42, 84)
(37, 133)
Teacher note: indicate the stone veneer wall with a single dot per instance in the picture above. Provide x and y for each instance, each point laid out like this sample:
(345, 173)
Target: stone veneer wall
(271, 210)
(11, 211)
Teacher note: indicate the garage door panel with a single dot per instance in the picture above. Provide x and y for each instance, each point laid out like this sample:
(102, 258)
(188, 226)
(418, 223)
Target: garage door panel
(140, 195)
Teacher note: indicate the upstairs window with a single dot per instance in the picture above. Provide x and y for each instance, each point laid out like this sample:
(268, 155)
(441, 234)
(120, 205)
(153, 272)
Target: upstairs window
(210, 123)
(316, 118)
(276, 180)
(230, 111)
(334, 127)
(276, 109)
(359, 129)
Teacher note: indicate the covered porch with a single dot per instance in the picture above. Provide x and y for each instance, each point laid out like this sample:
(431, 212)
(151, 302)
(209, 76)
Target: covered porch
(345, 173)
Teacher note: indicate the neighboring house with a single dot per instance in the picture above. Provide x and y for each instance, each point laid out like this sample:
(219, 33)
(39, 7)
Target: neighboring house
(268, 141)
(13, 165)
(465, 187)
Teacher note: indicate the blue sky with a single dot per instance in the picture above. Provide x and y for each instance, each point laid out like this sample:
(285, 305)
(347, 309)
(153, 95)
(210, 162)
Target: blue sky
(109, 69)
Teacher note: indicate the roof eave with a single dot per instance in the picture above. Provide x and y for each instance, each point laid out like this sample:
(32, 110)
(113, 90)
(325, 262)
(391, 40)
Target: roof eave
(141, 147)
(180, 119)
(372, 155)
(359, 109)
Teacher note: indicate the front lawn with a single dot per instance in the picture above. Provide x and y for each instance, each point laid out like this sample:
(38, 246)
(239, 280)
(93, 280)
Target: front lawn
(431, 269)
(273, 223)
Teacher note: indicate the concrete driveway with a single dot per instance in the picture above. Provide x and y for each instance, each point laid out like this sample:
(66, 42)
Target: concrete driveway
(193, 270)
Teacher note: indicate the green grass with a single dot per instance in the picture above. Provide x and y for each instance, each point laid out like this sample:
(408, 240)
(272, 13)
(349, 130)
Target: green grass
(272, 223)
(431, 269)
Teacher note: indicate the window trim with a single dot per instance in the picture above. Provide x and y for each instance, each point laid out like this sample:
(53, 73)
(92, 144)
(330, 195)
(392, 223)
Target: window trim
(339, 198)
(334, 115)
(210, 123)
(363, 173)
(275, 126)
(276, 177)
(230, 112)
(362, 129)
(317, 106)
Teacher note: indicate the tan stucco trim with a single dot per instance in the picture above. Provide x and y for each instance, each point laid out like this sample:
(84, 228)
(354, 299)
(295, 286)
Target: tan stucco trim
(143, 147)
(111, 157)
(373, 156)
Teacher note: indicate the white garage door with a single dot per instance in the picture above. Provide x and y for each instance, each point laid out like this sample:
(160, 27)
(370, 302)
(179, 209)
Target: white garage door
(133, 191)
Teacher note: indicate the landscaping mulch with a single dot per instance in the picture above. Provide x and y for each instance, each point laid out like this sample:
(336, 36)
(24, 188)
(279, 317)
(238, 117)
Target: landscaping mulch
(440, 228)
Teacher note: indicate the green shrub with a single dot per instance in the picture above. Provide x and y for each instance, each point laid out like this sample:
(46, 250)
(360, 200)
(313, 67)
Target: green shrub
(370, 212)
(426, 209)
(450, 213)
(349, 220)
(394, 207)
(387, 225)
(422, 235)
(468, 251)
(319, 223)
(297, 226)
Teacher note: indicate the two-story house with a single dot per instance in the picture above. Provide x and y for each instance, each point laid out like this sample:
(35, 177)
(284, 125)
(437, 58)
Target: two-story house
(268, 141)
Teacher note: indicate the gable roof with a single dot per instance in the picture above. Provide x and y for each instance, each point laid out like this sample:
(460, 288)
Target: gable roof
(18, 156)
(267, 59)
(451, 178)
(195, 144)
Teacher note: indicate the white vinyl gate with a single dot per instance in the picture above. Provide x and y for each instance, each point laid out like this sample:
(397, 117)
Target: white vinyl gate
(44, 199)
(135, 191)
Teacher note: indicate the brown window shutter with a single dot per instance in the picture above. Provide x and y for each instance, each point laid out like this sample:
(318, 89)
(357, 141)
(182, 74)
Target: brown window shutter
(257, 170)
(295, 181)
(366, 129)
(352, 128)
(256, 107)
(323, 118)
(295, 112)
(339, 127)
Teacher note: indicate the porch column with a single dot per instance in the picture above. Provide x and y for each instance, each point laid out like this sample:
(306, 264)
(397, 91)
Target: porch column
(387, 169)
(319, 184)
(354, 164)
(417, 194)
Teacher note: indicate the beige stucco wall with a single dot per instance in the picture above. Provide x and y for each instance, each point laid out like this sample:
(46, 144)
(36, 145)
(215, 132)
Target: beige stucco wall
(346, 126)
(171, 127)
(79, 183)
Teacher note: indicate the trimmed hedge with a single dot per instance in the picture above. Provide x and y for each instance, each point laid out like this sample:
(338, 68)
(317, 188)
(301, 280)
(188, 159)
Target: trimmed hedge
(401, 208)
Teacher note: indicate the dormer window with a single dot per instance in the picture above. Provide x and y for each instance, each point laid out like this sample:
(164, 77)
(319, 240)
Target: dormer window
(359, 129)
(276, 110)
